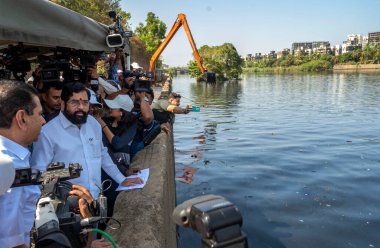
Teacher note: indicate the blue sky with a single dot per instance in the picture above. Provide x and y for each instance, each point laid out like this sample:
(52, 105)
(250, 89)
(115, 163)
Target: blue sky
(257, 26)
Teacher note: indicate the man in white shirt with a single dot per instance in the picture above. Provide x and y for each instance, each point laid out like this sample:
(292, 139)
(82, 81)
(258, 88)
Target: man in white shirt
(75, 137)
(20, 123)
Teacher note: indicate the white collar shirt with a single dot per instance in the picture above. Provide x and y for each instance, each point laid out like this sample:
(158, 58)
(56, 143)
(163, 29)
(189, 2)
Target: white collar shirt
(62, 141)
(17, 205)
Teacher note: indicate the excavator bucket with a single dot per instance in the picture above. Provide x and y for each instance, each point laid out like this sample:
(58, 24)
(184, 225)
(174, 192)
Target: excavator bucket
(210, 77)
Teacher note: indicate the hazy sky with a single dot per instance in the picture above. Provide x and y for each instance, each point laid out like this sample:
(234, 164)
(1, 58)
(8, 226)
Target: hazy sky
(257, 26)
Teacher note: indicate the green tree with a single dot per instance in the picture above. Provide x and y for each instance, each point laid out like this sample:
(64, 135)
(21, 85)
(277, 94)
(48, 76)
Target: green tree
(345, 57)
(96, 9)
(224, 60)
(287, 60)
(151, 33)
(194, 70)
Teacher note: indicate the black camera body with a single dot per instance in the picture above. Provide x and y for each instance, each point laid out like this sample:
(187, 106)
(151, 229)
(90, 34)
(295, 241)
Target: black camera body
(58, 220)
(137, 74)
(25, 176)
(217, 220)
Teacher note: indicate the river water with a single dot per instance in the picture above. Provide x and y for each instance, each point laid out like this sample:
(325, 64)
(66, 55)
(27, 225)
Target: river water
(298, 154)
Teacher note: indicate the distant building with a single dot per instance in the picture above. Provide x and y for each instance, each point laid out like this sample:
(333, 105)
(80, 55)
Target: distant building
(352, 43)
(272, 54)
(309, 47)
(282, 53)
(258, 56)
(374, 38)
(249, 57)
(337, 50)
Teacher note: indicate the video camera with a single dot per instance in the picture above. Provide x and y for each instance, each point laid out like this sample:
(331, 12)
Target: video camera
(58, 220)
(24, 175)
(137, 74)
(217, 220)
(117, 33)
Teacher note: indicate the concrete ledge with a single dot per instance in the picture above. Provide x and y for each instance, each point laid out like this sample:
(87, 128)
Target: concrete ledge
(145, 214)
(361, 67)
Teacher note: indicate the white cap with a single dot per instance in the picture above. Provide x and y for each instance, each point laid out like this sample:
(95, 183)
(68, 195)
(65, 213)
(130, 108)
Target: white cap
(120, 102)
(93, 100)
(7, 173)
(119, 71)
(135, 65)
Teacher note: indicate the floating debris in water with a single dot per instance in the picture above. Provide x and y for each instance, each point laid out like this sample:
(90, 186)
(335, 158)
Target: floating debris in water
(187, 176)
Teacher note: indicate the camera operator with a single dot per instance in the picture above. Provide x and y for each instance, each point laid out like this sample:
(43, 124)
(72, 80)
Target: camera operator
(20, 125)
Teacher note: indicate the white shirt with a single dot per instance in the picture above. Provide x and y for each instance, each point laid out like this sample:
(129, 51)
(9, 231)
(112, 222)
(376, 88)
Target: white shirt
(17, 205)
(62, 141)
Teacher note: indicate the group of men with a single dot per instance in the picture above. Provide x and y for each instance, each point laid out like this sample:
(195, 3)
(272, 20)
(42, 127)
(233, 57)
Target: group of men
(72, 136)
(58, 130)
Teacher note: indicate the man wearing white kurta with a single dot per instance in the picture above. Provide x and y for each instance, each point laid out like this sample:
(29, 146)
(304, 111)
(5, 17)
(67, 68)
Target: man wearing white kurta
(75, 137)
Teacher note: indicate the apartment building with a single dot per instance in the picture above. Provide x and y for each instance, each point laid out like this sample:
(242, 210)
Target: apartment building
(374, 38)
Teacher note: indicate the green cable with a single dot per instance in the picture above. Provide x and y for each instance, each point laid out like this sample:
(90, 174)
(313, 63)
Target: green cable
(105, 234)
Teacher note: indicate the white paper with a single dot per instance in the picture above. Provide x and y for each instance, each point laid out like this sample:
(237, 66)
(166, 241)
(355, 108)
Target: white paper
(144, 175)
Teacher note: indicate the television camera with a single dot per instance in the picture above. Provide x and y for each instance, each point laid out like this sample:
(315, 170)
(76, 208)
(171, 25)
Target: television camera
(58, 220)
(217, 220)
(13, 62)
(62, 61)
(117, 33)
(137, 74)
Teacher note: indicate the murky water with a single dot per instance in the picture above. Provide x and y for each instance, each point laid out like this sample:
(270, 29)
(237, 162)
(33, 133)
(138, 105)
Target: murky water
(298, 154)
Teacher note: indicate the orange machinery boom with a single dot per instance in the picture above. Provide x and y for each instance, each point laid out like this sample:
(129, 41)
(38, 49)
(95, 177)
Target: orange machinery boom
(181, 21)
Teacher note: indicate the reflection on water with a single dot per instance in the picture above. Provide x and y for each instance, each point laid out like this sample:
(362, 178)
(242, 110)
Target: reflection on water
(298, 154)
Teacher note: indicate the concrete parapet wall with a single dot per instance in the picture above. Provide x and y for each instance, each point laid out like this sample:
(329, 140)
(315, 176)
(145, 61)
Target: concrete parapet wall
(145, 214)
(362, 67)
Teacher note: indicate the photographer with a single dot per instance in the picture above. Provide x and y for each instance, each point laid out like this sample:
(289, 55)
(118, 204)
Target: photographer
(20, 125)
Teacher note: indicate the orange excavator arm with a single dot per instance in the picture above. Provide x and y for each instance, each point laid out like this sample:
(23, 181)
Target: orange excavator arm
(181, 21)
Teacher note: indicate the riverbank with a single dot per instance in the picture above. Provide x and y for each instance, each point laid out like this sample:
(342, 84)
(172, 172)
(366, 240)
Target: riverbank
(359, 68)
(299, 69)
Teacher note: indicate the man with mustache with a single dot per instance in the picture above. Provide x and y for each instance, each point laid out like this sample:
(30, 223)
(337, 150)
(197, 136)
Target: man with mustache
(76, 137)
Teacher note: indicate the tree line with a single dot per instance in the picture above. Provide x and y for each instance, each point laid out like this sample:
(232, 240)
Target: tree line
(315, 62)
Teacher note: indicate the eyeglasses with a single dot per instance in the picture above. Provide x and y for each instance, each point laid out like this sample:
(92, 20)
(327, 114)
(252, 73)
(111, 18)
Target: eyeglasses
(76, 103)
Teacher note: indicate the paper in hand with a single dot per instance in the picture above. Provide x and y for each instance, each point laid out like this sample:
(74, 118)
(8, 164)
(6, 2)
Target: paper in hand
(144, 175)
